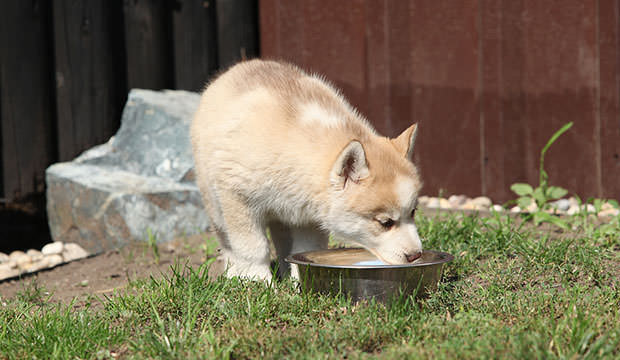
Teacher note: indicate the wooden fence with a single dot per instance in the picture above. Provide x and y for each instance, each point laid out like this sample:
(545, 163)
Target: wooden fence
(66, 67)
(489, 81)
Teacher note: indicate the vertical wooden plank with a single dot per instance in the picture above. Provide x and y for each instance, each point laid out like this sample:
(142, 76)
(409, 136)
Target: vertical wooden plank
(443, 52)
(195, 43)
(26, 93)
(269, 28)
(560, 85)
(340, 56)
(90, 83)
(378, 66)
(400, 68)
(491, 120)
(281, 30)
(291, 46)
(148, 44)
(609, 61)
(512, 58)
(237, 31)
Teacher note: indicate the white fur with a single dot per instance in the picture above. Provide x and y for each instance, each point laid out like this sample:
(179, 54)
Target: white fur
(312, 114)
(405, 190)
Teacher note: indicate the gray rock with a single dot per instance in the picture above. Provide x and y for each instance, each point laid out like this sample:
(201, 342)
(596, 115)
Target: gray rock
(154, 136)
(141, 180)
(4, 258)
(101, 208)
(562, 204)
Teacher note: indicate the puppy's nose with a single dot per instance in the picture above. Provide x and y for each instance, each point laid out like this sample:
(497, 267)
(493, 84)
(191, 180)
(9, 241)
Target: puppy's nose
(413, 257)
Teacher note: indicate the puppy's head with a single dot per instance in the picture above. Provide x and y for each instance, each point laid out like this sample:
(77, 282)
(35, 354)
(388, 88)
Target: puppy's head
(374, 191)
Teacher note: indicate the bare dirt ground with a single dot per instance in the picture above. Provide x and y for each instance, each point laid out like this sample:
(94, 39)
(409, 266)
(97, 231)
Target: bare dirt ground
(88, 280)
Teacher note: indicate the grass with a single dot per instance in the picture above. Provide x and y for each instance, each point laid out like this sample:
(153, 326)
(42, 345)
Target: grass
(512, 291)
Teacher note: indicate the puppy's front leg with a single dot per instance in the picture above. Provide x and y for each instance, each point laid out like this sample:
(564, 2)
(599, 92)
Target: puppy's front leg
(245, 247)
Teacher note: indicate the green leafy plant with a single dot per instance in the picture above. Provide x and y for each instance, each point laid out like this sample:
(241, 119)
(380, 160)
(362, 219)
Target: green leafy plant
(544, 193)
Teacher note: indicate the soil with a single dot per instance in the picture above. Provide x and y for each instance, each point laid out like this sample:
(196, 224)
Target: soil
(88, 280)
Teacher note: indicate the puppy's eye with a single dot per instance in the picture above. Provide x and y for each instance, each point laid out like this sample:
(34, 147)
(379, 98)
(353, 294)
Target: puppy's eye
(387, 224)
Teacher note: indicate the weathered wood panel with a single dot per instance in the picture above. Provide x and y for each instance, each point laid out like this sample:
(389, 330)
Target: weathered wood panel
(26, 93)
(609, 94)
(489, 82)
(90, 73)
(195, 43)
(237, 31)
(560, 85)
(148, 42)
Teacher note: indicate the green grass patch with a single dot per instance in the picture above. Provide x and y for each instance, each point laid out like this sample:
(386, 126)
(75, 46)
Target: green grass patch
(512, 291)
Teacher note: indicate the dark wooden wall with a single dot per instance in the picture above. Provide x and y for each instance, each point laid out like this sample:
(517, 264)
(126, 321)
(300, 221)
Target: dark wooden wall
(66, 67)
(489, 81)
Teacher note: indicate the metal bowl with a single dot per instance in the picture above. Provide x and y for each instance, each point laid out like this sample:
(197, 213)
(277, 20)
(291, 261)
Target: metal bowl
(336, 271)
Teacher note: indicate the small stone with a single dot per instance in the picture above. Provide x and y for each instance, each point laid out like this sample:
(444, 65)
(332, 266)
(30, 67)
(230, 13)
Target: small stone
(4, 258)
(20, 258)
(23, 261)
(468, 205)
(433, 203)
(35, 255)
(573, 201)
(53, 260)
(532, 207)
(457, 200)
(609, 212)
(497, 208)
(8, 270)
(482, 202)
(515, 209)
(588, 208)
(73, 251)
(170, 248)
(572, 210)
(16, 254)
(54, 248)
(35, 266)
(444, 203)
(562, 204)
(422, 200)
(607, 206)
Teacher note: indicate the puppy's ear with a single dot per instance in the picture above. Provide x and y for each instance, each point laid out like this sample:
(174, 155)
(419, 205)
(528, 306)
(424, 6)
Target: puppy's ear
(350, 165)
(405, 141)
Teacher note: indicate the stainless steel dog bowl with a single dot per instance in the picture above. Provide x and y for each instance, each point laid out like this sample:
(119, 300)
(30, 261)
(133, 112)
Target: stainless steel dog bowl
(337, 271)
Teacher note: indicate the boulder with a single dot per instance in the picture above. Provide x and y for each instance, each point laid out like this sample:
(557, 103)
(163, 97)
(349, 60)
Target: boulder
(140, 181)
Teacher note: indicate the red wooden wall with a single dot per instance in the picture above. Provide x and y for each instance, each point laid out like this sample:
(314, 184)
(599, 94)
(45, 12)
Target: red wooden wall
(489, 81)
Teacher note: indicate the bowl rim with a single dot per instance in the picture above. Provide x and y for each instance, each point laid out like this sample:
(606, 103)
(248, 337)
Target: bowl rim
(444, 258)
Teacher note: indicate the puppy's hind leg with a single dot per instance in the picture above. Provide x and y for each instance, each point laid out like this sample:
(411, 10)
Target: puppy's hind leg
(289, 240)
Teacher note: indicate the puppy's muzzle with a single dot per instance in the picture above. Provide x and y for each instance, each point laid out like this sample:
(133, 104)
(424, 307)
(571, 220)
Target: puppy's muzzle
(413, 257)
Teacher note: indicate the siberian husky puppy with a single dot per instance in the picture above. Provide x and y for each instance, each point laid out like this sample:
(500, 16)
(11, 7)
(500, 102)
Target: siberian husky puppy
(277, 148)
